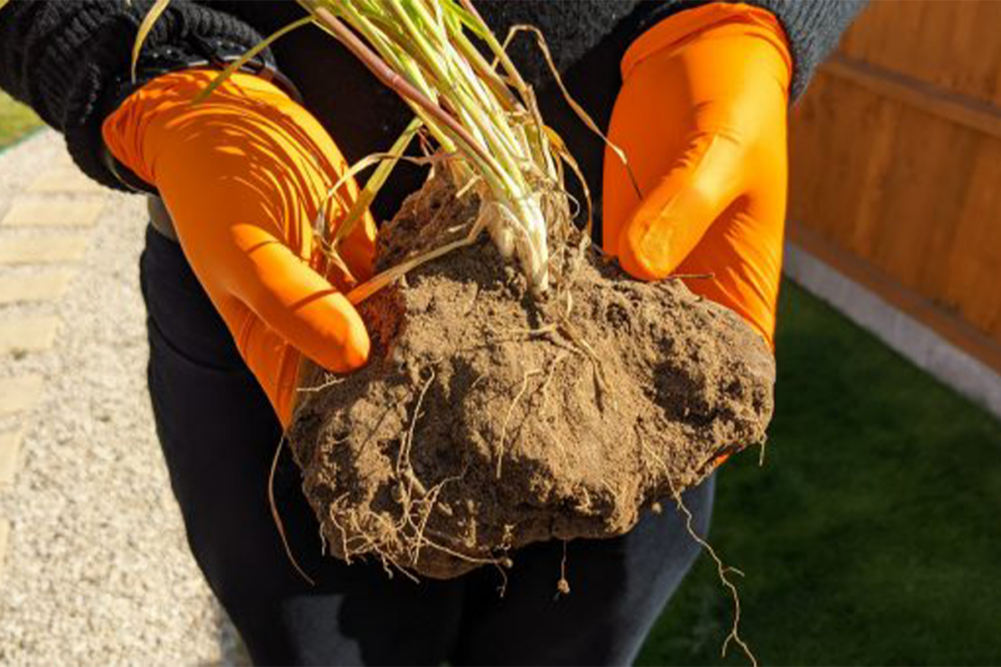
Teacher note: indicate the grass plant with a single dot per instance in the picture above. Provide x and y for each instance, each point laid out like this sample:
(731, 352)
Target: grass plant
(479, 114)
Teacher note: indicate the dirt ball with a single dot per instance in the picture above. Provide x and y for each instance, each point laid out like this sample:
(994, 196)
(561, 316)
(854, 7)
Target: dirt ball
(488, 418)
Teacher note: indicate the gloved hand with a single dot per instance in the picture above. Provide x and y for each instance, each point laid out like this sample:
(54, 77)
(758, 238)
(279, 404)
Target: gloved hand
(243, 175)
(702, 119)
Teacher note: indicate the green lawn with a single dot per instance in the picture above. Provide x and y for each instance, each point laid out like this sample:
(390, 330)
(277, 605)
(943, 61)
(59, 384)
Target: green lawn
(872, 535)
(16, 120)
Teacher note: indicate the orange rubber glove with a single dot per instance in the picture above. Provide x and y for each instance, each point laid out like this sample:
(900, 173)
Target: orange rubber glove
(702, 119)
(244, 174)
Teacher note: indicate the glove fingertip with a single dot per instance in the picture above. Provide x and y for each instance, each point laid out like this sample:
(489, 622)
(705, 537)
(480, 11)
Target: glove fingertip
(351, 348)
(636, 258)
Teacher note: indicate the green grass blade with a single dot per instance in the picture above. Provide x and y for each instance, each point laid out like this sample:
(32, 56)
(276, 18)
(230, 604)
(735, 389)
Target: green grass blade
(158, 8)
(246, 57)
(456, 12)
(376, 181)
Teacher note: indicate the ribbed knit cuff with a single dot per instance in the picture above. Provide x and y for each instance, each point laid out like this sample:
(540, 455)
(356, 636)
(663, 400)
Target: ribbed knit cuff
(184, 35)
(813, 28)
(71, 60)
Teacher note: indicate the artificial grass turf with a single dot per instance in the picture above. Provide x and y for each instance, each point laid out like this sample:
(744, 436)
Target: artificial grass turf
(16, 120)
(870, 536)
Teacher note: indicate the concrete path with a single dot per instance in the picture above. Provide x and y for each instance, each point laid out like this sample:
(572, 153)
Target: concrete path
(94, 568)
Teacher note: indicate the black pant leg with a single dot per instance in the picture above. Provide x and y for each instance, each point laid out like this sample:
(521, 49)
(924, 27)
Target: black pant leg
(218, 434)
(618, 588)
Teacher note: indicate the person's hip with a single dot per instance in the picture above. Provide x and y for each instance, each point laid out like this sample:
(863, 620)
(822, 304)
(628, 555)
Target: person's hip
(178, 309)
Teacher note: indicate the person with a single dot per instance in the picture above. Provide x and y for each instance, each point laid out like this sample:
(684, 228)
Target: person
(695, 93)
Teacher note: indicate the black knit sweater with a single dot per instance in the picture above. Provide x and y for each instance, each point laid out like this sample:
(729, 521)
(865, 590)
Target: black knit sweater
(70, 61)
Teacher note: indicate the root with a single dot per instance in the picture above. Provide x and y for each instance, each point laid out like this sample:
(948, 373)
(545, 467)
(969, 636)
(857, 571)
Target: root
(510, 413)
(398, 541)
(566, 328)
(611, 490)
(544, 389)
(502, 589)
(376, 283)
(574, 105)
(320, 387)
(571, 333)
(563, 586)
(344, 533)
(515, 334)
(721, 569)
(422, 526)
(404, 454)
(503, 562)
(405, 471)
(573, 341)
(276, 516)
(470, 184)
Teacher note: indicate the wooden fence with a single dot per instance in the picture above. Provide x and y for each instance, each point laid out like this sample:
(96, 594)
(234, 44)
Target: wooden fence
(896, 164)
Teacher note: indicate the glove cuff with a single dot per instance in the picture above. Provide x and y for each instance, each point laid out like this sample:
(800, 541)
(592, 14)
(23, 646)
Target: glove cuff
(185, 35)
(684, 27)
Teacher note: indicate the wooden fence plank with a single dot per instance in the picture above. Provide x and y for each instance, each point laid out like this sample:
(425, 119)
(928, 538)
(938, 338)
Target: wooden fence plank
(895, 162)
(983, 116)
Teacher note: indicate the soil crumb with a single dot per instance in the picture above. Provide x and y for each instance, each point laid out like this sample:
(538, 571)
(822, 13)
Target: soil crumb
(488, 419)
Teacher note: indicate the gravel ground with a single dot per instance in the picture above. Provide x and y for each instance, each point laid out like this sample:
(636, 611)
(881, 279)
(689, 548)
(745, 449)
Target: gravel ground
(97, 569)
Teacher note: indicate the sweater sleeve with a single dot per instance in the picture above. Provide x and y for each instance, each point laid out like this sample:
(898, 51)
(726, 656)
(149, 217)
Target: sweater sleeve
(70, 60)
(813, 28)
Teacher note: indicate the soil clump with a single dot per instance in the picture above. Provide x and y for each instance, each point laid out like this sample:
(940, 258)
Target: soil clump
(488, 418)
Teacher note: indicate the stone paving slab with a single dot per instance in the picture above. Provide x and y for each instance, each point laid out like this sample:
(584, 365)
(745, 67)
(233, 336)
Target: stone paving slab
(10, 454)
(47, 286)
(34, 212)
(28, 334)
(64, 178)
(4, 536)
(42, 249)
(19, 393)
